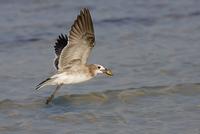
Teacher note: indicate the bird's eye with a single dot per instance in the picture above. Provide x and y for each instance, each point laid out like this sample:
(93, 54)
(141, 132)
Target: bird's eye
(99, 67)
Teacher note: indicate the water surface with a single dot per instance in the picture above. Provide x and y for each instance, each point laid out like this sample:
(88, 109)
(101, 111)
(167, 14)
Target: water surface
(151, 46)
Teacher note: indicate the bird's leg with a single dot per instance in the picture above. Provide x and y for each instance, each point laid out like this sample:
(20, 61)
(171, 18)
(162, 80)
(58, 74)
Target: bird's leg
(49, 99)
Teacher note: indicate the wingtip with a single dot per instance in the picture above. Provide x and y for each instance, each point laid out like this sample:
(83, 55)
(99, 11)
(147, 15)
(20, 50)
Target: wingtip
(61, 42)
(85, 9)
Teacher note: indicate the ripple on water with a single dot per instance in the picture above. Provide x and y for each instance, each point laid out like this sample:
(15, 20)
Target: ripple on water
(117, 107)
(103, 98)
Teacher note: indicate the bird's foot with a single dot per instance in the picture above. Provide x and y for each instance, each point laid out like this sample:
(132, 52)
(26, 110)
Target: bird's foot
(49, 99)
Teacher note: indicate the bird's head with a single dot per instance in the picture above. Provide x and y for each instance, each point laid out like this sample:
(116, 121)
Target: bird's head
(99, 69)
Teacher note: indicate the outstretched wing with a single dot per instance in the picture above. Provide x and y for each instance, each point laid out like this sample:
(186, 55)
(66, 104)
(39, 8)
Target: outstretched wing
(61, 42)
(81, 40)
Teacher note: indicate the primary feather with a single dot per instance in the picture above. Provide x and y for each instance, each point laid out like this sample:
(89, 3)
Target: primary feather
(81, 41)
(61, 42)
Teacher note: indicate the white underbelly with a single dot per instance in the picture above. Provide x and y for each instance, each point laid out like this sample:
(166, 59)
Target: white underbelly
(70, 79)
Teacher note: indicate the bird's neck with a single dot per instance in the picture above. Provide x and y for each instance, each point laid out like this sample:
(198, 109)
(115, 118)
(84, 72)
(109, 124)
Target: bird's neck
(92, 69)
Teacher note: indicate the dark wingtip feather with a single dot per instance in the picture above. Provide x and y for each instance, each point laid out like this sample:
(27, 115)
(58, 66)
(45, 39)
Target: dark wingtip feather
(56, 62)
(61, 42)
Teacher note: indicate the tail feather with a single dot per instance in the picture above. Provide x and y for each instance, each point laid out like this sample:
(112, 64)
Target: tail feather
(43, 83)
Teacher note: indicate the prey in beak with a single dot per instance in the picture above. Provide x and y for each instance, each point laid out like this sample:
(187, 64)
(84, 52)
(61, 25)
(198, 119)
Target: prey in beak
(107, 72)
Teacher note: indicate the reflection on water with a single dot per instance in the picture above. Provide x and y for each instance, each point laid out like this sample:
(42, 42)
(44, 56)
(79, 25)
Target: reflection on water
(151, 46)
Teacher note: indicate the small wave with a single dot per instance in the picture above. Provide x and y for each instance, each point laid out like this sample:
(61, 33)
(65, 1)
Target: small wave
(125, 20)
(18, 104)
(29, 40)
(108, 97)
(181, 16)
(126, 95)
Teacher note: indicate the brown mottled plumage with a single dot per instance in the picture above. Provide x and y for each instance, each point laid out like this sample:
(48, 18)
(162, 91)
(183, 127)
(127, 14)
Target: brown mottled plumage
(92, 69)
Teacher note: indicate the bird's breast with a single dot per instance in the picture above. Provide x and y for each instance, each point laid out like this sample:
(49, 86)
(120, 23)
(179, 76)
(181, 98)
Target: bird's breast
(65, 78)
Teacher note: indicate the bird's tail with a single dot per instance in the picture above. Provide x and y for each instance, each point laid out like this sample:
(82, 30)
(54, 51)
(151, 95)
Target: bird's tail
(44, 83)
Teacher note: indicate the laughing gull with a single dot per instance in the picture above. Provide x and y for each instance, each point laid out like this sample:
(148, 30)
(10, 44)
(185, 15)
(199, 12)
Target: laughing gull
(72, 53)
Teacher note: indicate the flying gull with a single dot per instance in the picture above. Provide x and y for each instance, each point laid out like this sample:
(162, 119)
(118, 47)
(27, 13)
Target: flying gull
(72, 53)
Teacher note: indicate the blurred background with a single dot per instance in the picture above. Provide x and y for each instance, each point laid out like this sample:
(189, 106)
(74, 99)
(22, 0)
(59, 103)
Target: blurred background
(152, 46)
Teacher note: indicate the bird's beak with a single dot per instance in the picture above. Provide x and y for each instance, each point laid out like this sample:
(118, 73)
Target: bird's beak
(108, 72)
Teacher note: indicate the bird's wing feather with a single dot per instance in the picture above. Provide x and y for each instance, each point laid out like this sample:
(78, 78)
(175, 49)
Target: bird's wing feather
(81, 40)
(60, 43)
